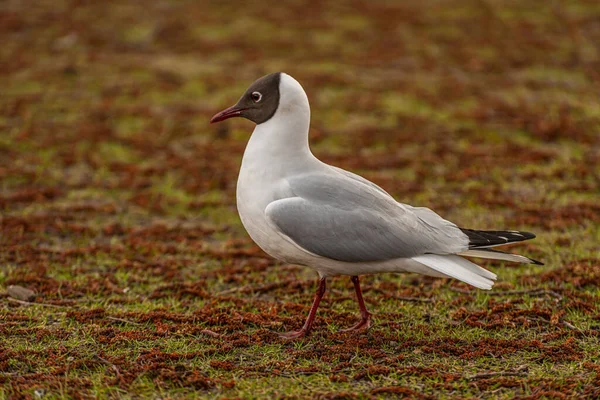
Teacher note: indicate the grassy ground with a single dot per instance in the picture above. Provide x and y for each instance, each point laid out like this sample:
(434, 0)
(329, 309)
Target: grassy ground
(117, 199)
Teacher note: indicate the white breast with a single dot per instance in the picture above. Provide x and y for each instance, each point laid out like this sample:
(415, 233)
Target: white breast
(262, 181)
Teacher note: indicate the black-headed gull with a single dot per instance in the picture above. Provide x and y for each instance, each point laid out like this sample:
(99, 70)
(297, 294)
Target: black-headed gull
(303, 211)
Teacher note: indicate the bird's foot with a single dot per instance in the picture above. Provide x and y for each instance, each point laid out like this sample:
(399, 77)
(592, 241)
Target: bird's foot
(294, 334)
(363, 325)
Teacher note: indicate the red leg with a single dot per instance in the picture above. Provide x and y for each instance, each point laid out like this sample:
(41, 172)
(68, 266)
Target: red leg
(305, 330)
(365, 316)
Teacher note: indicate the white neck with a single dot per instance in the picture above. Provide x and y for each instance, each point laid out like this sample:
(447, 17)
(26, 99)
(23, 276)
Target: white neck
(283, 139)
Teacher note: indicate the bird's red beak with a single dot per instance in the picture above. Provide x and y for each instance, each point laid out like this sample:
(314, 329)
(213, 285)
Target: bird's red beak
(230, 112)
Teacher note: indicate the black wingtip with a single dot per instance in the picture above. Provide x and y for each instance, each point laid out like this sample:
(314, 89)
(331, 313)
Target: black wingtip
(536, 262)
(527, 235)
(479, 239)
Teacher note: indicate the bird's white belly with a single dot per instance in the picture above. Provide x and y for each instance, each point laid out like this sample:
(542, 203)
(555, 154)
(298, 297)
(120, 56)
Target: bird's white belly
(253, 196)
(251, 204)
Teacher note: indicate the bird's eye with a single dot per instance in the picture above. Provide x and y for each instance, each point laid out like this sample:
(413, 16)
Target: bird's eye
(256, 96)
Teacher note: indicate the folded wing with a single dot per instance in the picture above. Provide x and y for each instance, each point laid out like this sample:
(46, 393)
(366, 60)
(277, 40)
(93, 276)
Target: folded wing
(338, 217)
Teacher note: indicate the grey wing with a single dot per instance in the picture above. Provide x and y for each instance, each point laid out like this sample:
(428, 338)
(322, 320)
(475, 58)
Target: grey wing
(429, 217)
(425, 214)
(360, 179)
(344, 219)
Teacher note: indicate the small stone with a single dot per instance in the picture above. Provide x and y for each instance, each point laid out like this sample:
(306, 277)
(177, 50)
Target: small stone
(20, 293)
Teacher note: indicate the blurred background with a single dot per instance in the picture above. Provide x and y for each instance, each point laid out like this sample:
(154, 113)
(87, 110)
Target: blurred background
(496, 102)
(117, 195)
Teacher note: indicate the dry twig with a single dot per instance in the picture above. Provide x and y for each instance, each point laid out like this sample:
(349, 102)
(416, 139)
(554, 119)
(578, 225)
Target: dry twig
(531, 292)
(113, 366)
(30, 303)
(210, 333)
(256, 289)
(569, 325)
(521, 371)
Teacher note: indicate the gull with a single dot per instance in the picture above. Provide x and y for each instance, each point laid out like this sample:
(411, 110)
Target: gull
(302, 211)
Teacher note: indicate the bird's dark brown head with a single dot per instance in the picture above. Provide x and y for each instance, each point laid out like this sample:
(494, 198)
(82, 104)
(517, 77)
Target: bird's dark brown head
(258, 103)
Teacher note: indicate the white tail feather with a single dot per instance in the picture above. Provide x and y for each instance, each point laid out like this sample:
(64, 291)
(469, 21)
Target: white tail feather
(496, 255)
(459, 268)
